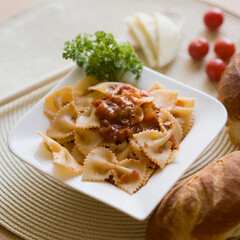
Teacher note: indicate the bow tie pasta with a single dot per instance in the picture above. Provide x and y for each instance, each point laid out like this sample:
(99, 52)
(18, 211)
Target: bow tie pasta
(115, 132)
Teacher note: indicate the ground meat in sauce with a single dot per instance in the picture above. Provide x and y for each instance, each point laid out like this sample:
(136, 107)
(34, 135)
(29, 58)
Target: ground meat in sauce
(123, 114)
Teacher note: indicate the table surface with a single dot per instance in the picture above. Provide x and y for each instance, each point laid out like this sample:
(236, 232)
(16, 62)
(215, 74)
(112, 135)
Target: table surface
(12, 7)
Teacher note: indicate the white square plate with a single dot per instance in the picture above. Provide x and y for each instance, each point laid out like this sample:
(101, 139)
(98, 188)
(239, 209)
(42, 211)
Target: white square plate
(210, 117)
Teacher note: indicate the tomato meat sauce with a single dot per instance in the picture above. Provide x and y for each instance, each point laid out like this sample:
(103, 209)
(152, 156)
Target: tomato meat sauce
(124, 113)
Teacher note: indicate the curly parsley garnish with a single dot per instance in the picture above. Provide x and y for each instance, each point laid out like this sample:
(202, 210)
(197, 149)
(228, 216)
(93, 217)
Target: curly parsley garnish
(102, 56)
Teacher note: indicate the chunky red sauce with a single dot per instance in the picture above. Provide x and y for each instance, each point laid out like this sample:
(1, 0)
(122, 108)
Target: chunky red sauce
(125, 113)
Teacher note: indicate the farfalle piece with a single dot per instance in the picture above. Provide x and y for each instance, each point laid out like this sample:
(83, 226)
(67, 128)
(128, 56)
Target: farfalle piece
(147, 99)
(173, 156)
(156, 86)
(139, 154)
(149, 172)
(81, 88)
(185, 118)
(105, 87)
(63, 123)
(151, 164)
(87, 139)
(81, 102)
(61, 155)
(87, 119)
(56, 100)
(98, 165)
(122, 150)
(185, 102)
(128, 174)
(155, 145)
(169, 123)
(67, 139)
(69, 146)
(79, 157)
(164, 98)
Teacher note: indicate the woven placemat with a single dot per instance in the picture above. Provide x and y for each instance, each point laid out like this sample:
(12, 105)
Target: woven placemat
(36, 206)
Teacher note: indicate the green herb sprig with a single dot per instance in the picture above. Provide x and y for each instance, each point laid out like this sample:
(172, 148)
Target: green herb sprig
(102, 56)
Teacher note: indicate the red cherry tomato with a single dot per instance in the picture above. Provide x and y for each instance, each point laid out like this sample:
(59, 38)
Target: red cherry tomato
(215, 68)
(198, 48)
(224, 48)
(213, 18)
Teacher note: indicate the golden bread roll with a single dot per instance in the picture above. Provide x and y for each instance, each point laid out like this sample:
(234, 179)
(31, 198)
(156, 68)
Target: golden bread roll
(229, 95)
(205, 206)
